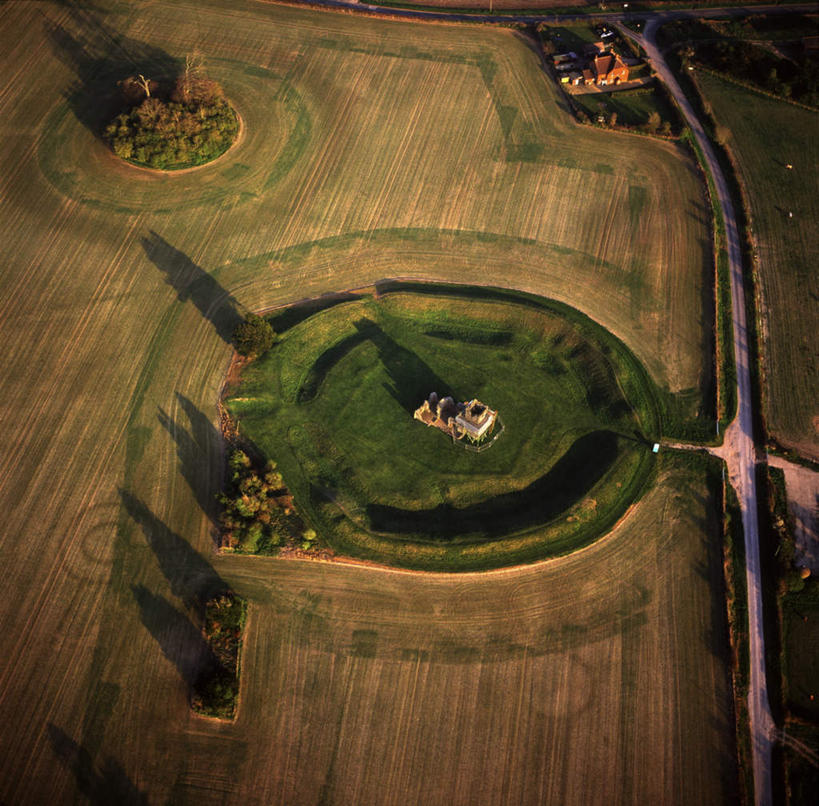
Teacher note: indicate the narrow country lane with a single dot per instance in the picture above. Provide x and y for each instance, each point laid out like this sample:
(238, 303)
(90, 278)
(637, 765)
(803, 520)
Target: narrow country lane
(738, 449)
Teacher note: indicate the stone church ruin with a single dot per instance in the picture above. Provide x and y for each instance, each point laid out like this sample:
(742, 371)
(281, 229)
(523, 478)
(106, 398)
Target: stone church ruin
(473, 420)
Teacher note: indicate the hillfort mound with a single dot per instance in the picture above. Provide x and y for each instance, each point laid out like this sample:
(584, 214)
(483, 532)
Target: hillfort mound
(335, 405)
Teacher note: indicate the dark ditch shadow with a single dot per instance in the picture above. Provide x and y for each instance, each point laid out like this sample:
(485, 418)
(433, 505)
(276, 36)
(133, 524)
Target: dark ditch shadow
(102, 784)
(99, 56)
(574, 474)
(199, 449)
(181, 642)
(192, 282)
(192, 578)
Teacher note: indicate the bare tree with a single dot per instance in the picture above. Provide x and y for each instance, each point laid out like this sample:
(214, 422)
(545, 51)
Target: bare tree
(145, 83)
(194, 70)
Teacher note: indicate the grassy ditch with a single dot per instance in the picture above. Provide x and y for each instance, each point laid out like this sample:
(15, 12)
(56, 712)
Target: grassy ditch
(724, 326)
(216, 692)
(333, 404)
(737, 604)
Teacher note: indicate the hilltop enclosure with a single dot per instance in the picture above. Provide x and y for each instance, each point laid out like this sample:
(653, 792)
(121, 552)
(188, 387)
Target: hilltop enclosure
(334, 406)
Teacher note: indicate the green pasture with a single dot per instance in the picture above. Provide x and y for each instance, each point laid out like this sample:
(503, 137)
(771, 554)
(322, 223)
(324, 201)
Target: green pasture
(765, 136)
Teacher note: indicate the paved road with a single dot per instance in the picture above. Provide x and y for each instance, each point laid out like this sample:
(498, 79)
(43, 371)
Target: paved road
(738, 449)
(555, 16)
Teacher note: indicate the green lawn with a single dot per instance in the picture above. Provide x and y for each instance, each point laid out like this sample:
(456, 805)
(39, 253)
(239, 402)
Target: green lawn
(633, 107)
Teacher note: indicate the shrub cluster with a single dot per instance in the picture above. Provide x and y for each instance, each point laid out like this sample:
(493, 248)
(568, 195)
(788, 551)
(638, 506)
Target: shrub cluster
(194, 125)
(786, 68)
(258, 515)
(217, 690)
(791, 576)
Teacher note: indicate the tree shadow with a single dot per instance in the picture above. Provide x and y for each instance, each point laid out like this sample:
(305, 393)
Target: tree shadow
(192, 578)
(191, 282)
(199, 449)
(411, 379)
(99, 56)
(102, 785)
(181, 642)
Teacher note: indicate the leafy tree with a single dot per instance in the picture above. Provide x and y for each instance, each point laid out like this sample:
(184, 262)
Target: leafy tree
(254, 336)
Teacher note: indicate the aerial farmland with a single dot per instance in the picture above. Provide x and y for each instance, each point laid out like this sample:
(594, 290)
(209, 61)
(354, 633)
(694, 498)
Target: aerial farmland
(541, 614)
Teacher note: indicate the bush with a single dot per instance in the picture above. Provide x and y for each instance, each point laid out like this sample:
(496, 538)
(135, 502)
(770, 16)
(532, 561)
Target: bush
(254, 336)
(258, 515)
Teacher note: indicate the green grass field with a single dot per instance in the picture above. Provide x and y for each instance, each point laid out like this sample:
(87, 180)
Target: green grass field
(372, 149)
(333, 405)
(767, 135)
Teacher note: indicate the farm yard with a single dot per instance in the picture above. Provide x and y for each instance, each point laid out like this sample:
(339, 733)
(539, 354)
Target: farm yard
(370, 150)
(766, 136)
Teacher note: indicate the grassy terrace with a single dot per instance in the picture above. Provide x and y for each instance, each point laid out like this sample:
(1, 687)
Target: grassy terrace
(372, 149)
(766, 135)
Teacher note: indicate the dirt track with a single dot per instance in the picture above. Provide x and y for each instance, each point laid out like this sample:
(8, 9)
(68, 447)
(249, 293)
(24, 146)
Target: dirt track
(802, 485)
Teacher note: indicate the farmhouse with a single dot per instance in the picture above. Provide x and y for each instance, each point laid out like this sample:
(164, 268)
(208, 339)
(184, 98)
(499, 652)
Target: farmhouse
(472, 420)
(600, 66)
(609, 68)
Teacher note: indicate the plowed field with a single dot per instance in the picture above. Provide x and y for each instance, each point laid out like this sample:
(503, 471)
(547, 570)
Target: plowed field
(372, 149)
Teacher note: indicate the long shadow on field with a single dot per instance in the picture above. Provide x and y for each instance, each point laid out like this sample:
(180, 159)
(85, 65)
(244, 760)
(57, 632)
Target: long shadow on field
(411, 379)
(191, 576)
(199, 449)
(102, 784)
(181, 642)
(192, 282)
(99, 56)
(574, 474)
